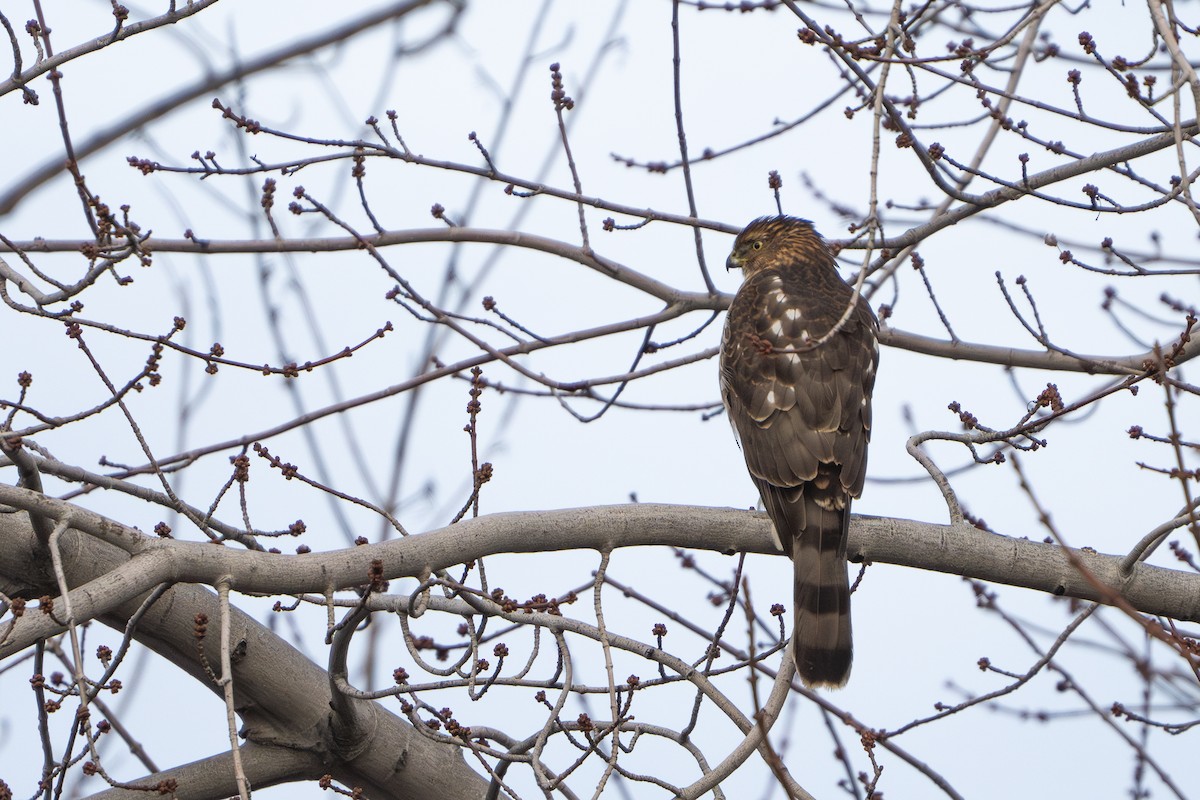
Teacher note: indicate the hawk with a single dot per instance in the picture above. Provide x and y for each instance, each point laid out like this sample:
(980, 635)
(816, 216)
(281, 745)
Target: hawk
(801, 410)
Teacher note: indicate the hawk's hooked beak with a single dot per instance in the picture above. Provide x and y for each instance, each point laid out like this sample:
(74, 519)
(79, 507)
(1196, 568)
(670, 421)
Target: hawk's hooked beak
(733, 262)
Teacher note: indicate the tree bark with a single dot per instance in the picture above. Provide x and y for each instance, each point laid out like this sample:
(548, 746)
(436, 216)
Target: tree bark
(283, 698)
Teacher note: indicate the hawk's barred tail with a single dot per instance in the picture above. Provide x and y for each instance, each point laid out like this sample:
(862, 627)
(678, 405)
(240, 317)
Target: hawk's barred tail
(821, 641)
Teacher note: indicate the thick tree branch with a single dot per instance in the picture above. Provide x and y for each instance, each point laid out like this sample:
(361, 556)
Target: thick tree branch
(283, 697)
(960, 550)
(265, 765)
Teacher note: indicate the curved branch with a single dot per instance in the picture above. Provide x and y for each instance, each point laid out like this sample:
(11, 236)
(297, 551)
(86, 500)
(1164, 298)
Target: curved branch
(955, 549)
(265, 765)
(44, 65)
(283, 697)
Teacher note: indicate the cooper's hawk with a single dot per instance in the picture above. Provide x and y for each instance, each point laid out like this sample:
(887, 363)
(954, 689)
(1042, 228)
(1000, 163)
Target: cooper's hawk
(802, 413)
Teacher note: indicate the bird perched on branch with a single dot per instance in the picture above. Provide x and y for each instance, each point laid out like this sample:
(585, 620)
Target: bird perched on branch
(798, 359)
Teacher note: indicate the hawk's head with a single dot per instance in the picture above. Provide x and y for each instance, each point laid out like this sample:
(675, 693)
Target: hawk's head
(771, 241)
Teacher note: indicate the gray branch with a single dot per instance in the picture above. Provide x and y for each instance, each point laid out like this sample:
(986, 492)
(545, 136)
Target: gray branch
(960, 550)
(284, 698)
(265, 765)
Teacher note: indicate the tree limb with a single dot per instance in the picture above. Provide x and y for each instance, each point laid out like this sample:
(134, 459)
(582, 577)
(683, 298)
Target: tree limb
(960, 550)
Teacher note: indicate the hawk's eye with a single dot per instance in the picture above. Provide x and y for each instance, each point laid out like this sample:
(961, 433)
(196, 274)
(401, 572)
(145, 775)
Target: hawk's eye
(757, 246)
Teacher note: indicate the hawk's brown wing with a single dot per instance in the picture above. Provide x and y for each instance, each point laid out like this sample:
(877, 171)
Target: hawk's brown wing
(803, 418)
